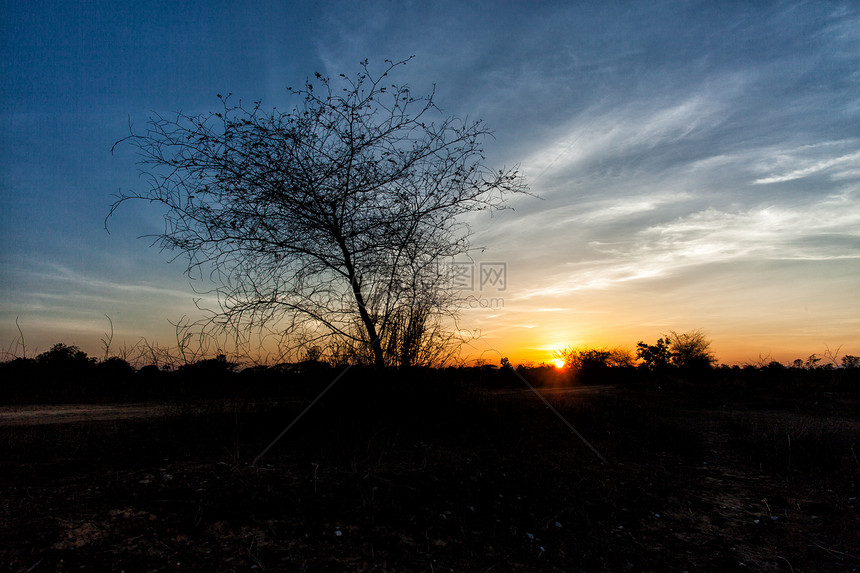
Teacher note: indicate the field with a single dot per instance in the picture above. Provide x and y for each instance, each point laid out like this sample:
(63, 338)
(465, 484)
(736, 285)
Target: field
(412, 474)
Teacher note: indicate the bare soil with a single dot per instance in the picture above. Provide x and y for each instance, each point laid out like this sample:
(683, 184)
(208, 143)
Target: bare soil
(473, 482)
(77, 413)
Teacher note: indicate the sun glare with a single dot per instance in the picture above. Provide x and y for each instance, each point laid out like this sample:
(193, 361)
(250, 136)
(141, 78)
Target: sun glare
(559, 363)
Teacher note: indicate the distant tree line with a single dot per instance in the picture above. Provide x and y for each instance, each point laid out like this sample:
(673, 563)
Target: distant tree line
(65, 373)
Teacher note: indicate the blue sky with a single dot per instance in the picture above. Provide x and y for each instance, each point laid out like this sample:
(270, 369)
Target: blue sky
(698, 163)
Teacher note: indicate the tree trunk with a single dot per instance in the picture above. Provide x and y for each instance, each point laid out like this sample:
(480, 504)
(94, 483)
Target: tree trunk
(375, 342)
(369, 327)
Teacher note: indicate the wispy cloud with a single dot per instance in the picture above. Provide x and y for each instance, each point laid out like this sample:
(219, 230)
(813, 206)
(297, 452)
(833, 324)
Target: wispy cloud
(810, 160)
(828, 230)
(56, 274)
(58, 298)
(598, 137)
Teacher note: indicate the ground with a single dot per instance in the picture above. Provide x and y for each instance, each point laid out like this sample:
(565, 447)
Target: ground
(463, 481)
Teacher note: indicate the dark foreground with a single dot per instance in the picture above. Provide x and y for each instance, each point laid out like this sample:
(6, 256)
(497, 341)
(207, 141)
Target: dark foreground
(433, 478)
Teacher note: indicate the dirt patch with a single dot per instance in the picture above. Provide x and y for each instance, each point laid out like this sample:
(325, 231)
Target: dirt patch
(77, 413)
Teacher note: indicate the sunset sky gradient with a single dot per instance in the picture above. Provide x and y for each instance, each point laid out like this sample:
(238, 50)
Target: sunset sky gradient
(697, 164)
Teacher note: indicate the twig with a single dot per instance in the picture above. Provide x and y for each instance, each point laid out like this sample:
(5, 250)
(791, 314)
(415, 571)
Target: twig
(833, 551)
(23, 348)
(786, 560)
(106, 341)
(299, 417)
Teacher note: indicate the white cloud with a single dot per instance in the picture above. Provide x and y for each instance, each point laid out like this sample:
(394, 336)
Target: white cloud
(608, 132)
(712, 236)
(615, 209)
(804, 163)
(66, 276)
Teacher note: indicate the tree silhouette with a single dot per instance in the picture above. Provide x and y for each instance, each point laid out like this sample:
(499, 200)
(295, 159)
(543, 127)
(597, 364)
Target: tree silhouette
(691, 350)
(591, 359)
(654, 356)
(327, 222)
(61, 356)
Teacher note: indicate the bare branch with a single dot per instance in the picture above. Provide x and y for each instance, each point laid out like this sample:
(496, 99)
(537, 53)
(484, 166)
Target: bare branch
(108, 338)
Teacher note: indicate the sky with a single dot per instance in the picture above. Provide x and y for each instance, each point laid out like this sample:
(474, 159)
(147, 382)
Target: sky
(695, 165)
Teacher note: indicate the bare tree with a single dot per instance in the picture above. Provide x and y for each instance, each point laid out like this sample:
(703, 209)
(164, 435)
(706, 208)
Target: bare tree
(329, 221)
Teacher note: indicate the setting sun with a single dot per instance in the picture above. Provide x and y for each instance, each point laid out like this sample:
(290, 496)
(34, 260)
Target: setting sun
(559, 363)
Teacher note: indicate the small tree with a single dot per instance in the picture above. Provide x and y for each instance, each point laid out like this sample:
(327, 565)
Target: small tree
(690, 349)
(812, 362)
(589, 359)
(64, 370)
(656, 356)
(62, 356)
(330, 221)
